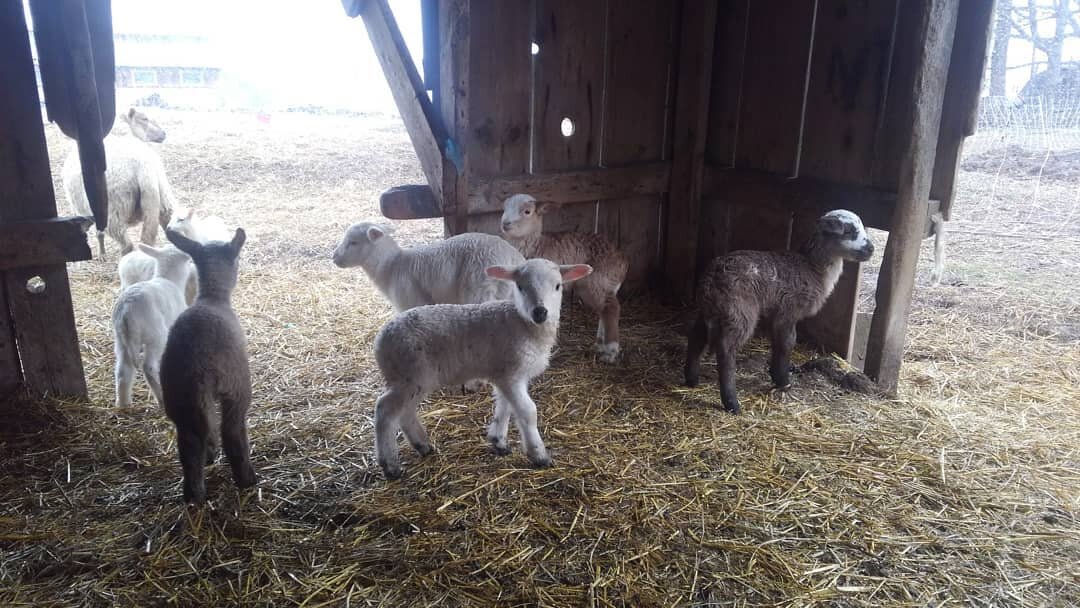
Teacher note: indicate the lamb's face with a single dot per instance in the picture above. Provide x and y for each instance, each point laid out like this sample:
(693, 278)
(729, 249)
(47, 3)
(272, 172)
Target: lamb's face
(845, 232)
(521, 216)
(357, 245)
(538, 297)
(144, 128)
(182, 223)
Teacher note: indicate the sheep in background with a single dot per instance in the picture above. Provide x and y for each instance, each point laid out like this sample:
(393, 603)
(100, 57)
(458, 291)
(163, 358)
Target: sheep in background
(505, 343)
(142, 316)
(135, 266)
(206, 362)
(202, 229)
(782, 287)
(450, 271)
(522, 226)
(138, 188)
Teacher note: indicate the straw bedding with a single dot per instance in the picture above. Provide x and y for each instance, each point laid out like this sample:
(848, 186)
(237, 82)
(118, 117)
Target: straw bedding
(963, 491)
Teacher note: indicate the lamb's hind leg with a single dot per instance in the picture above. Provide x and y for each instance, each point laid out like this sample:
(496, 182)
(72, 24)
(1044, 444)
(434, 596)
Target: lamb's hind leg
(192, 431)
(783, 340)
(415, 432)
(117, 229)
(125, 375)
(152, 370)
(388, 410)
(234, 438)
(726, 338)
(608, 335)
(695, 348)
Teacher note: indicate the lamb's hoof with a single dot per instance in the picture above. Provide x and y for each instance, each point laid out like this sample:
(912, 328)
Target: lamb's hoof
(499, 448)
(541, 461)
(734, 410)
(194, 496)
(691, 379)
(391, 471)
(246, 478)
(779, 393)
(211, 456)
(424, 449)
(472, 386)
(608, 353)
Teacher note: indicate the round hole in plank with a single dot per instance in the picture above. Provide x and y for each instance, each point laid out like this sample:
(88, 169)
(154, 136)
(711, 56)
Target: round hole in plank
(535, 49)
(35, 285)
(566, 127)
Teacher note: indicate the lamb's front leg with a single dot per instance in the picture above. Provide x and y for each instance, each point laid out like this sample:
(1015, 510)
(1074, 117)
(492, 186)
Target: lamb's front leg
(524, 409)
(500, 422)
(387, 409)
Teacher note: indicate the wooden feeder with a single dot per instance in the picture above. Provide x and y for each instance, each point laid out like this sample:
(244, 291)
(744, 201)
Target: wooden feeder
(686, 129)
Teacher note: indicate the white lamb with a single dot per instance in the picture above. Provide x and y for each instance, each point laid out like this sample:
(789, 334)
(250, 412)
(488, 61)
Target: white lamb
(143, 314)
(138, 188)
(450, 271)
(136, 266)
(505, 343)
(204, 229)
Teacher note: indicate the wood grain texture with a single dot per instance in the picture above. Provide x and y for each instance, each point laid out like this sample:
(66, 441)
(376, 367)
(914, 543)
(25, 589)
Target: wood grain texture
(421, 121)
(960, 109)
(43, 324)
(697, 35)
(845, 96)
(488, 193)
(43, 242)
(729, 59)
(777, 47)
(569, 81)
(10, 368)
(454, 18)
(640, 63)
(409, 202)
(501, 87)
(934, 25)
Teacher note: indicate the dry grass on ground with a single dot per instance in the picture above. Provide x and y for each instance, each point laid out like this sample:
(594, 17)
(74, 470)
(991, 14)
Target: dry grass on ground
(964, 491)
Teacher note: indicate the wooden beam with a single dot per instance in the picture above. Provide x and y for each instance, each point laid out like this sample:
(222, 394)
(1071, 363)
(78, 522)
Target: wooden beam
(454, 49)
(935, 24)
(10, 369)
(488, 193)
(42, 322)
(425, 128)
(409, 202)
(44, 242)
(695, 59)
(806, 195)
(960, 109)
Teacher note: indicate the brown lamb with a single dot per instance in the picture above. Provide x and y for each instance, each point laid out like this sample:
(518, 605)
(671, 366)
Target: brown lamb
(206, 363)
(522, 226)
(779, 287)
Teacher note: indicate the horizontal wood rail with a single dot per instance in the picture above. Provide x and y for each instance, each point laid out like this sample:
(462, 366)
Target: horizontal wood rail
(43, 242)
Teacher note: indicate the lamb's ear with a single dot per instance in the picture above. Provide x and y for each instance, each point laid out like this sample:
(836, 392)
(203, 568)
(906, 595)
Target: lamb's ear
(375, 233)
(832, 225)
(543, 208)
(575, 272)
(153, 252)
(183, 243)
(503, 273)
(238, 241)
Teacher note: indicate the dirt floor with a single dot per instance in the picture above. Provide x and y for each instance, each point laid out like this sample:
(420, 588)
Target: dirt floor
(965, 490)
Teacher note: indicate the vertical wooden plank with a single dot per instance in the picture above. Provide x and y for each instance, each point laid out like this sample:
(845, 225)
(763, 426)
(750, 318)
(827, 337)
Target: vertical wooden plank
(454, 82)
(935, 23)
(637, 92)
(845, 96)
(10, 369)
(778, 40)
(569, 81)
(500, 87)
(697, 35)
(961, 106)
(755, 227)
(729, 55)
(43, 324)
(891, 138)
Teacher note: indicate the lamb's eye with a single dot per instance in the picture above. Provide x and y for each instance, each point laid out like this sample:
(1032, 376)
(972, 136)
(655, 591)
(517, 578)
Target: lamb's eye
(527, 212)
(558, 286)
(521, 288)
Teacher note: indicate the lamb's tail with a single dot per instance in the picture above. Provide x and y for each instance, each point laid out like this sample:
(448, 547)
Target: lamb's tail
(125, 343)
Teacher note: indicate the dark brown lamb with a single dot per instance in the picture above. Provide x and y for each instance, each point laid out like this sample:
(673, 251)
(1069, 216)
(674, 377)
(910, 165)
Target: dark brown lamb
(780, 287)
(206, 363)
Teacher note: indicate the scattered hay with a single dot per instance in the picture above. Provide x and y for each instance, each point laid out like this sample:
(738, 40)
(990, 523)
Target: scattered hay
(965, 490)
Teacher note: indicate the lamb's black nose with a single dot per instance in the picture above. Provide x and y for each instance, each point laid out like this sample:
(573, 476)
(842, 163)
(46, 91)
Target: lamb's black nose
(505, 226)
(539, 314)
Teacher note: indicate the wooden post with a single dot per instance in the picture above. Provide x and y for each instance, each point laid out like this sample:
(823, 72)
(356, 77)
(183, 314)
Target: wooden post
(935, 28)
(39, 314)
(454, 38)
(695, 60)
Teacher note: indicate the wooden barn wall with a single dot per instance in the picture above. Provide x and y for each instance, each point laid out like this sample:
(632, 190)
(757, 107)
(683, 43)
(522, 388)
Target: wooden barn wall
(606, 66)
(815, 95)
